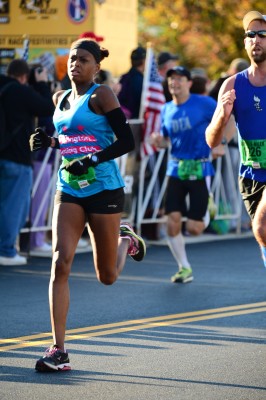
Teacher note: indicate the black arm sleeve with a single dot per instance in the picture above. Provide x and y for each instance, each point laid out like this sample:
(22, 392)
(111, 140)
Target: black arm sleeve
(57, 145)
(125, 140)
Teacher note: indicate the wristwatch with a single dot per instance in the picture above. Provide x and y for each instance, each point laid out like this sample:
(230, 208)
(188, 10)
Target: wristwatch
(94, 160)
(224, 141)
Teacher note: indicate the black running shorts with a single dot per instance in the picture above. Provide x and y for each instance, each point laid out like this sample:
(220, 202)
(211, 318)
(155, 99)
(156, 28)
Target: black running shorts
(251, 192)
(195, 205)
(105, 202)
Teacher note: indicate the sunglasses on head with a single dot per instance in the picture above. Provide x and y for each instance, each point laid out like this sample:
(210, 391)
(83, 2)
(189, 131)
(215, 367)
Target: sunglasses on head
(252, 34)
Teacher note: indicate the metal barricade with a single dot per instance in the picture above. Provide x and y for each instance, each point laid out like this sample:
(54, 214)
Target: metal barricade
(140, 193)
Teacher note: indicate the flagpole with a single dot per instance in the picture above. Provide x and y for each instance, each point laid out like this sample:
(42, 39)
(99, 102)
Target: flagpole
(26, 42)
(145, 79)
(144, 160)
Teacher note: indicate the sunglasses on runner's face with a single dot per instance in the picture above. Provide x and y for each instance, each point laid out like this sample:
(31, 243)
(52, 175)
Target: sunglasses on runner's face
(252, 34)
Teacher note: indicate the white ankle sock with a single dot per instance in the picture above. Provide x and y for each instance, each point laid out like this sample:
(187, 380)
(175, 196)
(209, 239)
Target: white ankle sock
(206, 218)
(177, 247)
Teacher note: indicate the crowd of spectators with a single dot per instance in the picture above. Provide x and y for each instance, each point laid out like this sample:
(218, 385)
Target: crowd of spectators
(128, 88)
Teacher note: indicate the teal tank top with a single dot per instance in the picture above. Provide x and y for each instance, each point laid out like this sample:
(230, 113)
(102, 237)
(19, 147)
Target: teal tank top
(81, 132)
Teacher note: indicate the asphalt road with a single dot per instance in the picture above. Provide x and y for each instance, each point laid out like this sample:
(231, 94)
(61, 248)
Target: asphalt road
(144, 337)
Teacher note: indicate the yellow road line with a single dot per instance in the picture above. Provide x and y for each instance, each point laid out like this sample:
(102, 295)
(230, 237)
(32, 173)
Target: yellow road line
(131, 325)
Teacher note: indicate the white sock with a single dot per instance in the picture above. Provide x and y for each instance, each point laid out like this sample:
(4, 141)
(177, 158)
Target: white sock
(177, 247)
(206, 218)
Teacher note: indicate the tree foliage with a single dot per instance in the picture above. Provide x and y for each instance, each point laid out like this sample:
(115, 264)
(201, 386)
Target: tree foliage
(205, 33)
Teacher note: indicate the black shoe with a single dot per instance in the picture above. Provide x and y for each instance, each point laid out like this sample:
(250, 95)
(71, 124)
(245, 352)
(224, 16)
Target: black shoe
(54, 360)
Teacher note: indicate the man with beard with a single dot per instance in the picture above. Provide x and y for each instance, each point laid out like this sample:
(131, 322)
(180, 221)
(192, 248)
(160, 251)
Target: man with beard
(242, 100)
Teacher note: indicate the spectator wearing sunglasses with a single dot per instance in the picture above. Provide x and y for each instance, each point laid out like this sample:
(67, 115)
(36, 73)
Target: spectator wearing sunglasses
(242, 102)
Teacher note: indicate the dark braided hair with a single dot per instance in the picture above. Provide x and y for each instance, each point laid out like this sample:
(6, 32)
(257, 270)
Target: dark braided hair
(98, 52)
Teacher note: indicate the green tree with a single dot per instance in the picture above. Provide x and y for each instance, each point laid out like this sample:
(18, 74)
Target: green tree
(205, 33)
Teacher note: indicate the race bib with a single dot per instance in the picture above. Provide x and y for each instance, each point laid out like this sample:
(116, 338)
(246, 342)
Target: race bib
(80, 181)
(253, 153)
(190, 170)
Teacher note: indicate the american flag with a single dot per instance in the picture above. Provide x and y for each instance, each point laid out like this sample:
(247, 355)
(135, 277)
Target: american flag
(26, 45)
(152, 102)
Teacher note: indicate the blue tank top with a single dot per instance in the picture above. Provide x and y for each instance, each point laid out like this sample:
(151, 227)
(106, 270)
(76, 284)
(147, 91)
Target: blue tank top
(250, 115)
(185, 125)
(80, 132)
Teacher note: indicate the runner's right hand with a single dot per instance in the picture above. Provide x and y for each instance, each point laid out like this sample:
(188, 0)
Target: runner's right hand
(39, 140)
